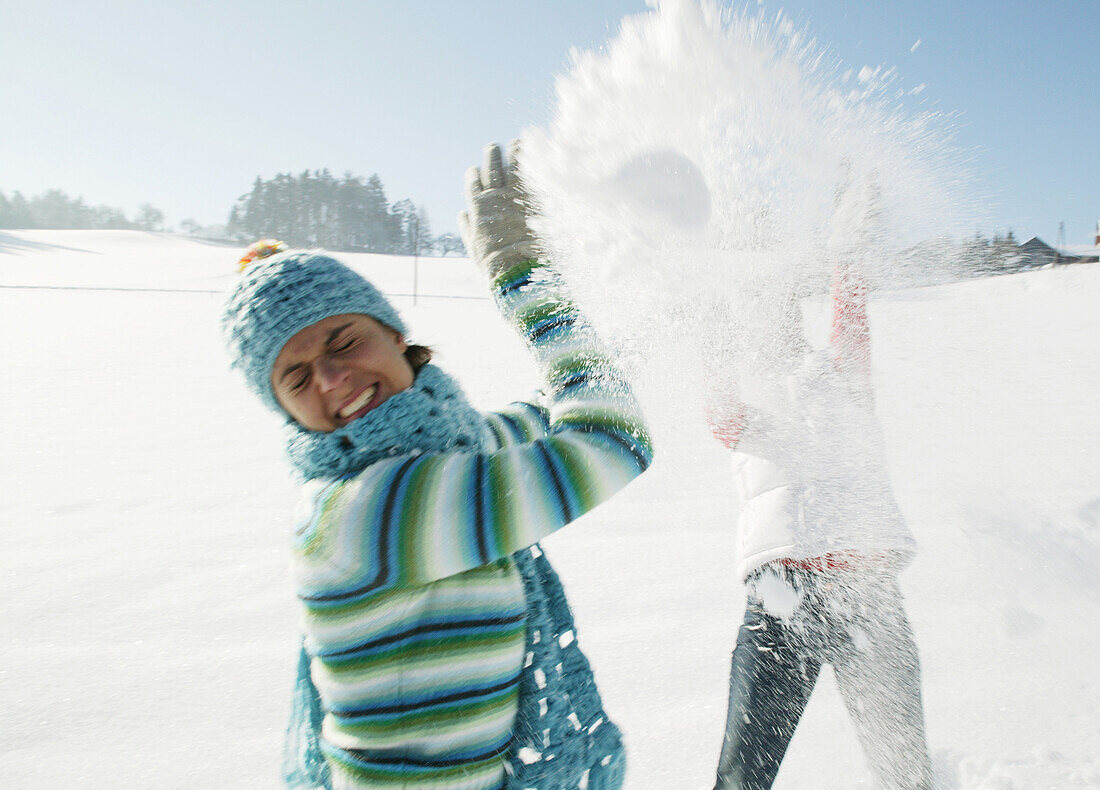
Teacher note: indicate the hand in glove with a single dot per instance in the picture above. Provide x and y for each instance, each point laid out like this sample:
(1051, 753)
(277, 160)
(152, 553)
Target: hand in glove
(494, 226)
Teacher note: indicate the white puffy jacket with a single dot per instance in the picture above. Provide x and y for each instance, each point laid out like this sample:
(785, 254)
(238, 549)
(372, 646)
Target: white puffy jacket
(811, 473)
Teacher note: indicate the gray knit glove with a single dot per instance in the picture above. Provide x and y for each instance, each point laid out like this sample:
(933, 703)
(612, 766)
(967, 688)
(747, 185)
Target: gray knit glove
(494, 225)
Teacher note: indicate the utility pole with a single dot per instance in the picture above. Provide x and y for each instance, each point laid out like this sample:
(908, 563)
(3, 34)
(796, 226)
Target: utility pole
(416, 256)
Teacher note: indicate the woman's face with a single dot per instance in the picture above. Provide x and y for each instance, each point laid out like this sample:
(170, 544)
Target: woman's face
(335, 371)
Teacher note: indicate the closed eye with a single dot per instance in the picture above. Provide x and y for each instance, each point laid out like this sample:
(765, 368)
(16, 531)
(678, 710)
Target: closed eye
(297, 380)
(343, 344)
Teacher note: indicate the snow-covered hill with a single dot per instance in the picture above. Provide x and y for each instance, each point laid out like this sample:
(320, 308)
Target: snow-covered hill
(149, 627)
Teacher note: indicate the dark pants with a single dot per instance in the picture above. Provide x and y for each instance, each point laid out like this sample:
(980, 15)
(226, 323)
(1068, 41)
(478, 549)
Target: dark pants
(854, 621)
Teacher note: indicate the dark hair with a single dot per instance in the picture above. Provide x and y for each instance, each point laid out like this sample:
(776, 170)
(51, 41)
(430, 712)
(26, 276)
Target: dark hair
(417, 357)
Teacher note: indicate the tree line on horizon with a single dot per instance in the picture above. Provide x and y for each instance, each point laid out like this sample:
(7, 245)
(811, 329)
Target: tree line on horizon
(352, 214)
(981, 255)
(349, 214)
(54, 210)
(312, 209)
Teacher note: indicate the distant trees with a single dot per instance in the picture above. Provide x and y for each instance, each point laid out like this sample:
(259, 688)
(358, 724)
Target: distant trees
(946, 259)
(348, 214)
(54, 209)
(446, 243)
(311, 209)
(982, 256)
(150, 217)
(415, 237)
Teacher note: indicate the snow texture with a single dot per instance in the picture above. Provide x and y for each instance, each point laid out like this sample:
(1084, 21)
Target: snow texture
(148, 616)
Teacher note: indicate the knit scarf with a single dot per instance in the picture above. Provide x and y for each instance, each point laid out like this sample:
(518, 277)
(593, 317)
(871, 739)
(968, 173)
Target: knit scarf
(556, 691)
(430, 416)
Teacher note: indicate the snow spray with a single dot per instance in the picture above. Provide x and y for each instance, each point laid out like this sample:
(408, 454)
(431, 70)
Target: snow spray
(687, 179)
(701, 177)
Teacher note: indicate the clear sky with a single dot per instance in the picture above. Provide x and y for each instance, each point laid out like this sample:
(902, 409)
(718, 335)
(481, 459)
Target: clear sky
(183, 104)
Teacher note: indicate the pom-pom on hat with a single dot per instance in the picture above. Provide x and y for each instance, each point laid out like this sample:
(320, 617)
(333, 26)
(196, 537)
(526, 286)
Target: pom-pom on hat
(280, 295)
(261, 249)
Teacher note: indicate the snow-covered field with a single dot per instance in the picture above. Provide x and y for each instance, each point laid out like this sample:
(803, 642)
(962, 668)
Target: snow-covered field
(148, 621)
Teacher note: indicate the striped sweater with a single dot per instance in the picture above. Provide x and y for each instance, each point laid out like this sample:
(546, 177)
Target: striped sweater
(414, 613)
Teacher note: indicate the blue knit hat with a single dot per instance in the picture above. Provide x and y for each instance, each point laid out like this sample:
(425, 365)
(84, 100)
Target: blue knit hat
(279, 296)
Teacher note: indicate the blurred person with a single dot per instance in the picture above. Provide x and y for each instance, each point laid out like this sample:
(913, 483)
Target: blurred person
(821, 540)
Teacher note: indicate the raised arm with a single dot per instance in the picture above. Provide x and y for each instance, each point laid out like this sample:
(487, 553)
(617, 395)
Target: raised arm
(726, 412)
(414, 519)
(851, 333)
(857, 220)
(410, 520)
(518, 423)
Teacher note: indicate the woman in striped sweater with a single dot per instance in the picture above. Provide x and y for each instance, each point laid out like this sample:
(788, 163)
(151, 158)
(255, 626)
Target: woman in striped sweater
(439, 651)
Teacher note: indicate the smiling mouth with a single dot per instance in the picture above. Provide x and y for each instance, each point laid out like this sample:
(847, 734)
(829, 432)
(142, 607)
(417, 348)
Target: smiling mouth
(365, 397)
